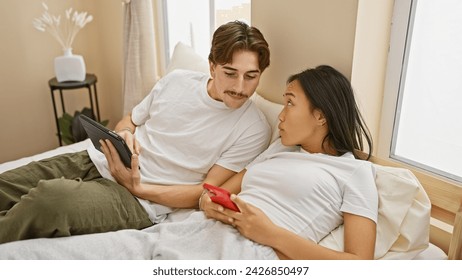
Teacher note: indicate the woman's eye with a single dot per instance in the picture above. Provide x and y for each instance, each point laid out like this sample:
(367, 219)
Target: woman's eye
(289, 103)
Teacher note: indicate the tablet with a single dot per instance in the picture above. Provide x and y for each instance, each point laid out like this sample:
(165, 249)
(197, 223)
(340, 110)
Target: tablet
(97, 131)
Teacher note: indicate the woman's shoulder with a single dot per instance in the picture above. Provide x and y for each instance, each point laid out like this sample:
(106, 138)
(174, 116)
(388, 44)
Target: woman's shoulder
(274, 148)
(278, 147)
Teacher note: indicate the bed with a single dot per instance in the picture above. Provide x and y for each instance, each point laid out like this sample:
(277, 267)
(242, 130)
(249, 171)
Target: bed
(405, 225)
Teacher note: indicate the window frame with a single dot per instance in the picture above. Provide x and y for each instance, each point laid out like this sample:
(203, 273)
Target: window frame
(396, 51)
(162, 22)
(402, 17)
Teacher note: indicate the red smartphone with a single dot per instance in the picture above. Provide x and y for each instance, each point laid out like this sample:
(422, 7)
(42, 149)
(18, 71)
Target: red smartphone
(221, 196)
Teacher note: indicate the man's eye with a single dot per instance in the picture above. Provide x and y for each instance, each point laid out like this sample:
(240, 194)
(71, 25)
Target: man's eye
(250, 77)
(230, 74)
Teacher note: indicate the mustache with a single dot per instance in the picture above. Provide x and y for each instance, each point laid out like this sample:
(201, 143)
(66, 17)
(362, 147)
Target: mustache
(237, 94)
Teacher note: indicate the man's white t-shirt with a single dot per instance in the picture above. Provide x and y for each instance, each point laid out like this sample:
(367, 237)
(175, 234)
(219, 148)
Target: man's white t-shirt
(307, 193)
(183, 132)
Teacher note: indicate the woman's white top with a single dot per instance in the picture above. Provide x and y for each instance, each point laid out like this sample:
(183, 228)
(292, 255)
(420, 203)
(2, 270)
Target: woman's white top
(308, 193)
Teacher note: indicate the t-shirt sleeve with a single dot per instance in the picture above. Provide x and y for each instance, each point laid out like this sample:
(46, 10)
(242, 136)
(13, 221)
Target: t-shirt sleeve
(360, 193)
(140, 113)
(250, 144)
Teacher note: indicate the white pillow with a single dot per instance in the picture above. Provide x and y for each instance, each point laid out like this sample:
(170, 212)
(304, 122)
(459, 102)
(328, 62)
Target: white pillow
(271, 111)
(404, 216)
(184, 57)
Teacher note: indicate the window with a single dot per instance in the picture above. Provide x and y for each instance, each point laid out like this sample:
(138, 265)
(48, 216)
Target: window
(193, 22)
(425, 70)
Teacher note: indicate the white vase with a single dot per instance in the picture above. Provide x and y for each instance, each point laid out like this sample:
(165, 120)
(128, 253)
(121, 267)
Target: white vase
(70, 67)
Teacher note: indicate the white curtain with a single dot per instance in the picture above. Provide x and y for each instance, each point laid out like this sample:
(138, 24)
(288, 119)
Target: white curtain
(140, 62)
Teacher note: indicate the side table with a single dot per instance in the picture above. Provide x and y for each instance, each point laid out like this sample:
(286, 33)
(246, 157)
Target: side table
(89, 82)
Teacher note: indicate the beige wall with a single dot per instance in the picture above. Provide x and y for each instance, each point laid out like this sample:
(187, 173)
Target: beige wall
(348, 34)
(26, 56)
(302, 34)
(351, 35)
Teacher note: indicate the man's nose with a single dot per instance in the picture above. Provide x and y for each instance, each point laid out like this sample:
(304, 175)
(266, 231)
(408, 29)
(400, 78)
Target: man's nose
(239, 85)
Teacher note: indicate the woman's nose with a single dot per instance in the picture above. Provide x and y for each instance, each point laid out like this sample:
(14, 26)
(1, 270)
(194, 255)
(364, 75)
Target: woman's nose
(281, 115)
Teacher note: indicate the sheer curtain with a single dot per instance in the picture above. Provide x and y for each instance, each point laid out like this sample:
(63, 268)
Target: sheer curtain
(140, 62)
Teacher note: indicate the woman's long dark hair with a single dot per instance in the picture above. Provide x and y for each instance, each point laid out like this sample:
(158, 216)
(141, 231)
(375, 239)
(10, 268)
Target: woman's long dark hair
(330, 92)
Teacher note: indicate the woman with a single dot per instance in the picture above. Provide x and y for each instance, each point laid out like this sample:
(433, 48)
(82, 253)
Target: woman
(309, 180)
(300, 189)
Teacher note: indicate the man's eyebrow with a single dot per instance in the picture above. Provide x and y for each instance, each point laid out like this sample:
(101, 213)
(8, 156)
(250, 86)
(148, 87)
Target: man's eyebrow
(234, 69)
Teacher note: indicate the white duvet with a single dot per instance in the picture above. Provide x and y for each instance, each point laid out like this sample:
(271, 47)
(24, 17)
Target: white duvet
(185, 235)
(402, 230)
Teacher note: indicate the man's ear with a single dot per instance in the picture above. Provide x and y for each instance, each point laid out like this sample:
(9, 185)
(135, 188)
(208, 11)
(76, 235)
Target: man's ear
(212, 67)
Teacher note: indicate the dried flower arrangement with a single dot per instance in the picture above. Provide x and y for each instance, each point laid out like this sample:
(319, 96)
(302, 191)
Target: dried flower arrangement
(65, 33)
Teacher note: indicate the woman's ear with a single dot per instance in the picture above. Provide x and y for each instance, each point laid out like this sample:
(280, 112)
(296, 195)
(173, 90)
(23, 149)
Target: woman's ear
(321, 119)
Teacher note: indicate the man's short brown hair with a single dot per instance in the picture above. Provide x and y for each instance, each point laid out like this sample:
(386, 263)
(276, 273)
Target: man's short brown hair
(238, 36)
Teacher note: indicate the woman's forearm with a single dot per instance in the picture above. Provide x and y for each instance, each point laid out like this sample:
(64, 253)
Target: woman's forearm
(289, 245)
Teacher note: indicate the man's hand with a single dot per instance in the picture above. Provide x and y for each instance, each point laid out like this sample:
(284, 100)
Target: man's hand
(127, 177)
(130, 140)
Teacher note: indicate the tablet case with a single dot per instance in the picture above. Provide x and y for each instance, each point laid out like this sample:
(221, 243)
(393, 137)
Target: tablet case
(97, 131)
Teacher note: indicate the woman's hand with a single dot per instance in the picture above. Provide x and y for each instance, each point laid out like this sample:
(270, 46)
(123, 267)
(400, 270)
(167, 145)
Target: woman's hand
(251, 222)
(127, 177)
(211, 209)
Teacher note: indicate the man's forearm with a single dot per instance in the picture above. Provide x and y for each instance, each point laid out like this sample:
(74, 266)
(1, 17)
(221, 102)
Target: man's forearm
(177, 196)
(186, 196)
(126, 124)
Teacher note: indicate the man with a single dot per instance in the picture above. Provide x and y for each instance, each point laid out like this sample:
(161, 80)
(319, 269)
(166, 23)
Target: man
(192, 128)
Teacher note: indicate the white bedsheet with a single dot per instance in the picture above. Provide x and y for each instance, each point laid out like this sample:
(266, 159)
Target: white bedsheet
(193, 238)
(125, 244)
(80, 146)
